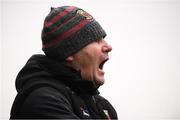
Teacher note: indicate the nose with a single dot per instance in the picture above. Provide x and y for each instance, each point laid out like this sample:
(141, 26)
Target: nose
(106, 47)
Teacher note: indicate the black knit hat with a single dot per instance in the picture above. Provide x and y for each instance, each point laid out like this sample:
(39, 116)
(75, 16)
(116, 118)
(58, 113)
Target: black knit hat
(67, 29)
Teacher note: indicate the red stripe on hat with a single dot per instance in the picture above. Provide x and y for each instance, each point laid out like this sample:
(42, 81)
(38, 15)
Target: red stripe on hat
(67, 33)
(60, 25)
(58, 16)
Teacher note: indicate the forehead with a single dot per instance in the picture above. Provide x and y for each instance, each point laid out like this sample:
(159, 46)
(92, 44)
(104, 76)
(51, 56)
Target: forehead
(90, 48)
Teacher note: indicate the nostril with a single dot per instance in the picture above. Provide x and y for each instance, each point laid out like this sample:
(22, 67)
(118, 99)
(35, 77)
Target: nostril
(107, 48)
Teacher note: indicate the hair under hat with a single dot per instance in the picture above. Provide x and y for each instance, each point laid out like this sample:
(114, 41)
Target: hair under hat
(67, 29)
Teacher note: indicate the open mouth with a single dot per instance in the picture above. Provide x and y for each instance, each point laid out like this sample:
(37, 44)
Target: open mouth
(102, 63)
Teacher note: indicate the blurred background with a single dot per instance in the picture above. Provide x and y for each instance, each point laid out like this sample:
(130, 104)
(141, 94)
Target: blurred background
(143, 73)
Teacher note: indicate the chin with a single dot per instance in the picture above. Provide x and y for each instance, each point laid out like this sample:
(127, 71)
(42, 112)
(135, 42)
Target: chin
(100, 82)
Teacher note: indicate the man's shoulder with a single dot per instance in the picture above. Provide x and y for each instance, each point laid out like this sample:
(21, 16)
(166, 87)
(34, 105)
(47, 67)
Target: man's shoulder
(44, 102)
(50, 90)
(47, 95)
(46, 90)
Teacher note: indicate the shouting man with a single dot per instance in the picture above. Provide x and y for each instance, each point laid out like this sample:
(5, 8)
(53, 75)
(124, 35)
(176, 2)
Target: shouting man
(64, 82)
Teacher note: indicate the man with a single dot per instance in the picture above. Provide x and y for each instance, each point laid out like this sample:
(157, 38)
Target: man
(63, 83)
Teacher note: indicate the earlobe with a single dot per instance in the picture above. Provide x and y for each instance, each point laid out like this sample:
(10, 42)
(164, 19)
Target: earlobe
(70, 59)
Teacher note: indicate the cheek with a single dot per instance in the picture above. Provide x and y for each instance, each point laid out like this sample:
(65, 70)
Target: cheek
(90, 69)
(89, 60)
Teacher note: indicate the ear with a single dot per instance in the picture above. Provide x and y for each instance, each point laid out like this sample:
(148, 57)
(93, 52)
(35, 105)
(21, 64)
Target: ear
(70, 59)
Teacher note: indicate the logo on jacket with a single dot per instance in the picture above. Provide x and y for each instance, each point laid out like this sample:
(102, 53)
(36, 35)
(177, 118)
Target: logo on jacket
(85, 112)
(107, 114)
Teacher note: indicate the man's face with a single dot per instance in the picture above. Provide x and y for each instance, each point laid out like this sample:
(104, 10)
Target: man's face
(90, 61)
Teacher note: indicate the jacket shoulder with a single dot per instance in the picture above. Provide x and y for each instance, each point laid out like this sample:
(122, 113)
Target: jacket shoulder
(47, 102)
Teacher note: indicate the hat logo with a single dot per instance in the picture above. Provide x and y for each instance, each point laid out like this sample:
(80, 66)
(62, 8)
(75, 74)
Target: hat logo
(85, 14)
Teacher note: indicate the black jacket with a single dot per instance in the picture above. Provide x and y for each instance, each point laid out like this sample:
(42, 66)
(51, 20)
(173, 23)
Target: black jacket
(49, 89)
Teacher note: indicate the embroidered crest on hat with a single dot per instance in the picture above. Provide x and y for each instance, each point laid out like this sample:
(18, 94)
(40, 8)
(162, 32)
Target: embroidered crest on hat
(85, 14)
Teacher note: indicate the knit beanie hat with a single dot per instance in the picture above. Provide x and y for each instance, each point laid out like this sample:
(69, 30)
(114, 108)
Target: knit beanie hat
(67, 29)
